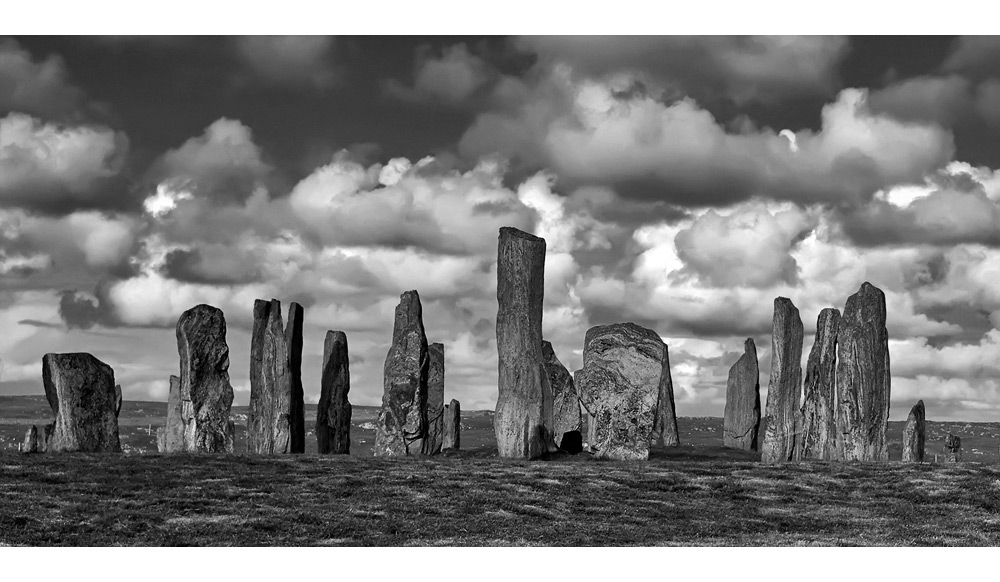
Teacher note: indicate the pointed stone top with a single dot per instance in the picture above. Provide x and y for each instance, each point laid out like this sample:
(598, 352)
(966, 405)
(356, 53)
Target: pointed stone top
(867, 305)
(749, 347)
(547, 349)
(785, 302)
(511, 231)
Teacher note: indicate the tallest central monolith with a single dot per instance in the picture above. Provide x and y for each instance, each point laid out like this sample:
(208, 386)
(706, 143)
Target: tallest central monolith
(523, 419)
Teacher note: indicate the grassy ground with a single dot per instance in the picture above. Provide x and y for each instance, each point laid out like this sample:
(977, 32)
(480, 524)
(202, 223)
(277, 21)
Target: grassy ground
(705, 496)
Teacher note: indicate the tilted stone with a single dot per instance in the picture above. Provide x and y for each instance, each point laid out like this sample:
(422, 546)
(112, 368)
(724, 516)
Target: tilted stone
(590, 425)
(333, 416)
(435, 400)
(402, 420)
(952, 449)
(620, 385)
(81, 391)
(30, 444)
(565, 401)
(818, 439)
(913, 434)
(785, 385)
(741, 423)
(523, 420)
(863, 377)
(452, 429)
(274, 422)
(665, 420)
(204, 394)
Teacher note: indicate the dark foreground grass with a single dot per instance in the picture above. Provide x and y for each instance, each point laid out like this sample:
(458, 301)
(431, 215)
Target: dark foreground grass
(674, 499)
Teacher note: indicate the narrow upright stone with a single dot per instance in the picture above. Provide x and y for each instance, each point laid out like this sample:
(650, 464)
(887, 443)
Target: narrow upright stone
(913, 434)
(863, 377)
(435, 400)
(30, 444)
(81, 391)
(742, 417)
(565, 402)
(204, 392)
(818, 439)
(785, 385)
(297, 410)
(665, 420)
(333, 415)
(274, 422)
(452, 438)
(402, 421)
(523, 421)
(952, 449)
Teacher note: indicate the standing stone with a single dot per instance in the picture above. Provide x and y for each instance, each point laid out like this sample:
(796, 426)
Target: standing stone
(785, 385)
(952, 449)
(742, 417)
(565, 402)
(81, 391)
(402, 421)
(863, 377)
(665, 419)
(587, 414)
(452, 430)
(620, 385)
(333, 416)
(161, 439)
(204, 394)
(30, 444)
(179, 432)
(297, 410)
(523, 421)
(818, 439)
(272, 423)
(435, 400)
(913, 434)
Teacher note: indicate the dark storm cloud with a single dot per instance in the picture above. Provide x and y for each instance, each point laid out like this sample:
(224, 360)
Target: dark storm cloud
(34, 85)
(79, 311)
(211, 265)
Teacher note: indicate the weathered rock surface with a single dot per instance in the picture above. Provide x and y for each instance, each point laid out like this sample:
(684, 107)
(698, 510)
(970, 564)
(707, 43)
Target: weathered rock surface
(435, 400)
(565, 401)
(952, 449)
(274, 422)
(118, 399)
(81, 391)
(913, 434)
(161, 439)
(665, 420)
(204, 394)
(785, 385)
(30, 444)
(863, 377)
(589, 424)
(620, 385)
(742, 416)
(333, 416)
(402, 421)
(452, 429)
(523, 421)
(818, 439)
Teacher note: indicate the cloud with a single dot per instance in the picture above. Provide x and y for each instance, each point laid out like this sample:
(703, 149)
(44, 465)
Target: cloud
(451, 78)
(78, 310)
(974, 55)
(289, 60)
(35, 87)
(925, 99)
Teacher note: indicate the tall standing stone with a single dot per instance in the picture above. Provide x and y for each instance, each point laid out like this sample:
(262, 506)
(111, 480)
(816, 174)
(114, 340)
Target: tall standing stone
(435, 400)
(913, 434)
(863, 377)
(818, 439)
(785, 385)
(620, 385)
(203, 390)
(742, 417)
(665, 420)
(275, 422)
(30, 444)
(402, 421)
(952, 449)
(333, 416)
(523, 421)
(81, 392)
(565, 402)
(452, 430)
(587, 414)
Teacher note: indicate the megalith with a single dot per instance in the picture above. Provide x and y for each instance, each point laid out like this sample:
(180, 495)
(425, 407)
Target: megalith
(785, 385)
(665, 419)
(952, 449)
(402, 421)
(204, 396)
(452, 428)
(333, 415)
(435, 399)
(275, 421)
(620, 385)
(565, 402)
(818, 437)
(741, 421)
(523, 420)
(30, 444)
(81, 391)
(913, 434)
(863, 377)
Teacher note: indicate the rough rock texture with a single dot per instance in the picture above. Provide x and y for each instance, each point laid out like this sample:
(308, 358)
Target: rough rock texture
(46, 437)
(274, 422)
(565, 401)
(952, 449)
(590, 425)
(435, 400)
(333, 416)
(161, 439)
(204, 394)
(452, 429)
(620, 385)
(118, 399)
(30, 444)
(785, 385)
(179, 430)
(81, 391)
(913, 434)
(402, 421)
(818, 439)
(742, 417)
(665, 420)
(863, 377)
(523, 421)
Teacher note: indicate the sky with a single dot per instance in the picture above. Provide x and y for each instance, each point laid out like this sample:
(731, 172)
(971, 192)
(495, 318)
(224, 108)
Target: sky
(681, 183)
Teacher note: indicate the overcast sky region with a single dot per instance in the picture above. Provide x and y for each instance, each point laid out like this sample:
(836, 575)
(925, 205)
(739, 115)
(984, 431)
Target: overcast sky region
(680, 182)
